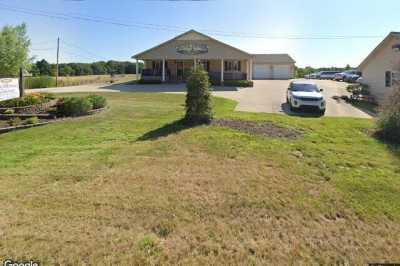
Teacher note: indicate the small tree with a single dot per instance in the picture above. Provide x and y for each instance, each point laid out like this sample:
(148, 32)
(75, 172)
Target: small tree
(14, 49)
(389, 120)
(198, 98)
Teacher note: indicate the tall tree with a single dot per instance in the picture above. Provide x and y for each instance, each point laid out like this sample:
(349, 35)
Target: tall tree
(14, 49)
(43, 67)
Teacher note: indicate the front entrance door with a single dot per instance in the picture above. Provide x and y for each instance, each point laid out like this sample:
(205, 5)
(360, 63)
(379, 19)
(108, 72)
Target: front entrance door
(180, 71)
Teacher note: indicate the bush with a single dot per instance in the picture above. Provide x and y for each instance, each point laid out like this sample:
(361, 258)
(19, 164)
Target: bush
(14, 122)
(97, 101)
(233, 83)
(28, 100)
(39, 82)
(9, 111)
(389, 120)
(74, 106)
(31, 121)
(149, 81)
(198, 98)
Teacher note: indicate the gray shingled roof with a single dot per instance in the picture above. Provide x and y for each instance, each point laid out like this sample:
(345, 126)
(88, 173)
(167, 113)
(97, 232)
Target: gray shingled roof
(273, 58)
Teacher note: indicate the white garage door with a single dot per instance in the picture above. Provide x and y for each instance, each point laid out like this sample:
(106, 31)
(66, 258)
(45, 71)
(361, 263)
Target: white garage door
(281, 72)
(262, 71)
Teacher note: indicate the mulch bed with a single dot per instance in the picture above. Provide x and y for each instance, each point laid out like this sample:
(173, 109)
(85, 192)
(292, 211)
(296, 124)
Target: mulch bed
(266, 129)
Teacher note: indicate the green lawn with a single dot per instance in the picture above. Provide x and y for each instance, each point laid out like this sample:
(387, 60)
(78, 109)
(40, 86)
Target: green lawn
(132, 186)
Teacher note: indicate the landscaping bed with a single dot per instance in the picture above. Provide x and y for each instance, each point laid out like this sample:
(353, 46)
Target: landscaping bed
(266, 129)
(39, 109)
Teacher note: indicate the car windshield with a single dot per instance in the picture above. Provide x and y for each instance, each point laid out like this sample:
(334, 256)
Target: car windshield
(304, 87)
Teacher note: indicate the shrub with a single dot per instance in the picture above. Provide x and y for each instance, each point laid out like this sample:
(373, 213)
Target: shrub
(31, 121)
(149, 81)
(9, 111)
(389, 120)
(28, 100)
(39, 82)
(74, 106)
(233, 83)
(97, 101)
(198, 98)
(238, 83)
(14, 122)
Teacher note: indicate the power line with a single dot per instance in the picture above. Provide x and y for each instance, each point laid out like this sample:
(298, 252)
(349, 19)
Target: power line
(82, 49)
(43, 49)
(111, 21)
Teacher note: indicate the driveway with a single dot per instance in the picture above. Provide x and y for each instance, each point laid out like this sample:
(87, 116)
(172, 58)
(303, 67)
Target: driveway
(267, 96)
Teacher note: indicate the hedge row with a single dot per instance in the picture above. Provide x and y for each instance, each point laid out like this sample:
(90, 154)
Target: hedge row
(233, 83)
(39, 82)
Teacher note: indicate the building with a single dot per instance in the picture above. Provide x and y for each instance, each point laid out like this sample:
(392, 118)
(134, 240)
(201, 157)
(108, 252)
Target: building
(381, 68)
(173, 60)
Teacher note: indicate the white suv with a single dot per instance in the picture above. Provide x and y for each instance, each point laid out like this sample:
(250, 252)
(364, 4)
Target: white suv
(305, 94)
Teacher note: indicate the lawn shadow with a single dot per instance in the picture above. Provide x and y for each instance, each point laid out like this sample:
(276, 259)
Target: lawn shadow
(301, 113)
(390, 144)
(166, 130)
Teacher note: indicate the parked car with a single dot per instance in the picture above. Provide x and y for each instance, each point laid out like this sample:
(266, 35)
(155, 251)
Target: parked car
(338, 76)
(305, 94)
(328, 74)
(313, 75)
(360, 80)
(351, 76)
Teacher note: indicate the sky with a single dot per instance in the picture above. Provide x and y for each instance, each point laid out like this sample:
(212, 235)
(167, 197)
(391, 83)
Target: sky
(116, 30)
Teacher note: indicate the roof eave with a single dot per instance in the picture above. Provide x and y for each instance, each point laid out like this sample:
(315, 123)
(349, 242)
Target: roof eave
(136, 56)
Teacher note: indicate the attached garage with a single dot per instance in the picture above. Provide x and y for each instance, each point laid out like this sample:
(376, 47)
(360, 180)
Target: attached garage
(262, 71)
(273, 66)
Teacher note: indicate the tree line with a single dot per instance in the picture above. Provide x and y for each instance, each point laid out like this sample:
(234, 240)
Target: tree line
(14, 54)
(301, 72)
(43, 68)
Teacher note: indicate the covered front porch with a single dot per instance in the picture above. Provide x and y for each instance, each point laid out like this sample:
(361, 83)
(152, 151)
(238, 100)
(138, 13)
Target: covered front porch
(177, 70)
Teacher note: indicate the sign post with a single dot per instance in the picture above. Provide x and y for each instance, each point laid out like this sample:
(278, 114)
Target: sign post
(21, 83)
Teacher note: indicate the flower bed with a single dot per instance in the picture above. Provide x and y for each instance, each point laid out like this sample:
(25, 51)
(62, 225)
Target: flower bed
(46, 110)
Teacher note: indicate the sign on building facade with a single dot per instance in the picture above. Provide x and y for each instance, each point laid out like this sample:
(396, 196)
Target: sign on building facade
(192, 49)
(9, 88)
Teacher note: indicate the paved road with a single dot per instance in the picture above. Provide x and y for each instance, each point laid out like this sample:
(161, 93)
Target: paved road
(267, 96)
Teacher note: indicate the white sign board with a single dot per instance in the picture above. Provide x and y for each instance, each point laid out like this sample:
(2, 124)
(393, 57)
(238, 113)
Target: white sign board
(9, 88)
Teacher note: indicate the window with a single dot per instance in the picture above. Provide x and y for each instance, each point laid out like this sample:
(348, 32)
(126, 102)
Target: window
(388, 79)
(232, 65)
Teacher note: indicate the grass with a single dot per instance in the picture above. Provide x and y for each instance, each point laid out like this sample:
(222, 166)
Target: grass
(133, 186)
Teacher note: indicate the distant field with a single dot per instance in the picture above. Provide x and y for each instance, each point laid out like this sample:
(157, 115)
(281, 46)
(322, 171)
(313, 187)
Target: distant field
(79, 80)
(47, 82)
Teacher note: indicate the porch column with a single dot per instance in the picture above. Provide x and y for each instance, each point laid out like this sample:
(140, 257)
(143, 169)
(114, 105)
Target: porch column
(194, 64)
(137, 69)
(251, 69)
(248, 69)
(163, 69)
(222, 70)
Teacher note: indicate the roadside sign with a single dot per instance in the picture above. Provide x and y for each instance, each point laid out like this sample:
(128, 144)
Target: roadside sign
(9, 88)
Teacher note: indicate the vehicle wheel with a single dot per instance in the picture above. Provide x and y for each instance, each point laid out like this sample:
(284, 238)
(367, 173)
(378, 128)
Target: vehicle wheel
(322, 112)
(292, 108)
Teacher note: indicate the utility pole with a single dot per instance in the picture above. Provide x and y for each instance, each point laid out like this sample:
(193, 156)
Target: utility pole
(58, 53)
